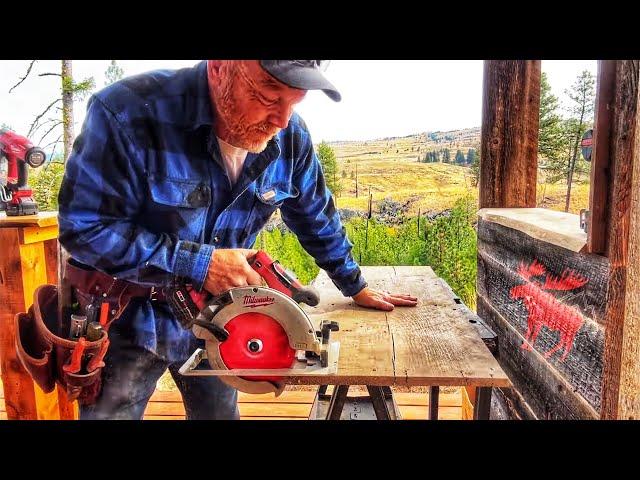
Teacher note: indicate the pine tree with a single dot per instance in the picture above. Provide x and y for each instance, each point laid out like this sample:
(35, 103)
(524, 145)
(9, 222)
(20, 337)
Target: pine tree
(113, 73)
(561, 139)
(550, 134)
(471, 155)
(327, 158)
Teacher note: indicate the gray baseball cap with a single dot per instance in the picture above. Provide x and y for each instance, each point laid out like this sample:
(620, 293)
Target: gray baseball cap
(304, 74)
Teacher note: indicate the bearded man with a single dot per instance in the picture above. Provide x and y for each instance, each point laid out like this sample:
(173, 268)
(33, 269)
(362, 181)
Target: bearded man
(173, 176)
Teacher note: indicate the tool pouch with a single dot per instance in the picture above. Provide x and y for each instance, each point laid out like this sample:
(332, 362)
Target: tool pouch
(51, 359)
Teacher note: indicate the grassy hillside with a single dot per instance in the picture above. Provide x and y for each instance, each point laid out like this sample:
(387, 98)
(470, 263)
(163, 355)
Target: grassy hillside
(389, 167)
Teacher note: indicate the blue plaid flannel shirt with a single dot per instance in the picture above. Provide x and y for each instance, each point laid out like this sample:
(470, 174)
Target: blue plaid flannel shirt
(144, 197)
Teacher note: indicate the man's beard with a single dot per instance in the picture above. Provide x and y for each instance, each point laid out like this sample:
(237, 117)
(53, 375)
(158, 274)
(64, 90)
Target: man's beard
(253, 138)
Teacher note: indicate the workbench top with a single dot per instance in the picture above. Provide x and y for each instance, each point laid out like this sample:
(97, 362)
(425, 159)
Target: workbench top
(41, 219)
(433, 343)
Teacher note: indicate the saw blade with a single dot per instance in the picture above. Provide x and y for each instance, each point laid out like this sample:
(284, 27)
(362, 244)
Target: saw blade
(256, 341)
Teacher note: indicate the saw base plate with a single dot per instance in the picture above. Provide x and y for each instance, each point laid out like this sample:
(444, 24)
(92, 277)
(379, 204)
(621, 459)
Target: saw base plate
(194, 366)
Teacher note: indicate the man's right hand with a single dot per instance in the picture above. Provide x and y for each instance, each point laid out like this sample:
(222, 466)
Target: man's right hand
(229, 268)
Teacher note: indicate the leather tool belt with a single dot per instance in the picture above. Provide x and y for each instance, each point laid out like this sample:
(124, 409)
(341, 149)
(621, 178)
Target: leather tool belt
(45, 350)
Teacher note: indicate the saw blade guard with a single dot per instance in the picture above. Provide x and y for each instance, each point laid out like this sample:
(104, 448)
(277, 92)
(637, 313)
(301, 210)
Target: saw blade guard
(265, 329)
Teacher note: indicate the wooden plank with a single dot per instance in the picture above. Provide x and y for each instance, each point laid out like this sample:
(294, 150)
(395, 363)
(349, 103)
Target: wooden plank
(299, 396)
(18, 386)
(164, 417)
(38, 234)
(182, 417)
(422, 399)
(600, 164)
(467, 404)
(273, 418)
(575, 315)
(34, 274)
(558, 228)
(422, 413)
(42, 219)
(275, 410)
(366, 351)
(68, 410)
(51, 260)
(302, 396)
(509, 247)
(34, 271)
(547, 392)
(438, 344)
(509, 137)
(387, 348)
(3, 416)
(246, 409)
(621, 384)
(629, 395)
(510, 405)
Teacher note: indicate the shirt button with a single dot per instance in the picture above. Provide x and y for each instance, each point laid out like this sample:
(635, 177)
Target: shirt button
(216, 239)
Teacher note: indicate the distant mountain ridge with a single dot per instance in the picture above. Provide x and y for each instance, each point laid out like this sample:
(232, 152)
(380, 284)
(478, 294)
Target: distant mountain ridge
(436, 137)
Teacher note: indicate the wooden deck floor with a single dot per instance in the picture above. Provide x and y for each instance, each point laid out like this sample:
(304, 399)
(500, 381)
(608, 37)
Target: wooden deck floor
(292, 405)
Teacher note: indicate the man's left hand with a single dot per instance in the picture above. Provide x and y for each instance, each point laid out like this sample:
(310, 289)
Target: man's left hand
(370, 298)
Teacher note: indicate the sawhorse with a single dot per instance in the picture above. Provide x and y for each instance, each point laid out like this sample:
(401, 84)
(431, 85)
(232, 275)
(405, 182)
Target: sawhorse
(379, 404)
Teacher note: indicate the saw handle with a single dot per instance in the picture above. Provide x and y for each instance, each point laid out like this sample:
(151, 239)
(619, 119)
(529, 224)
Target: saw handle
(281, 279)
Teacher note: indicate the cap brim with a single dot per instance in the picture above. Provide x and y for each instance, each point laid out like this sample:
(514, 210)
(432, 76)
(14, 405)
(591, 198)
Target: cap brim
(302, 77)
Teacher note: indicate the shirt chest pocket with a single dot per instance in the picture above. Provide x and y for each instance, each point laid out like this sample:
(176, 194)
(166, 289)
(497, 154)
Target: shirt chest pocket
(178, 206)
(273, 195)
(267, 198)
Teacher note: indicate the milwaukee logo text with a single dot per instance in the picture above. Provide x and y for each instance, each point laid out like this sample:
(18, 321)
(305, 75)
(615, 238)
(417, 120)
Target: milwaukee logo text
(253, 301)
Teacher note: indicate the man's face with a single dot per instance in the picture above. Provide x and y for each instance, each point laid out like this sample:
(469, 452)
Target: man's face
(252, 106)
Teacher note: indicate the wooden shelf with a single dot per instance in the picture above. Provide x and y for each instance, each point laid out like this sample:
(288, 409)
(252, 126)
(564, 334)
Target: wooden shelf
(558, 228)
(42, 219)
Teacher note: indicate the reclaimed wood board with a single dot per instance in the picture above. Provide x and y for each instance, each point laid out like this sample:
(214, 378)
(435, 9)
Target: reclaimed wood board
(296, 405)
(546, 303)
(621, 383)
(558, 228)
(431, 344)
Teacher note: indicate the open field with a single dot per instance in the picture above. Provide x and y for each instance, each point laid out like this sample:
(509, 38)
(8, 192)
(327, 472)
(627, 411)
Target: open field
(389, 167)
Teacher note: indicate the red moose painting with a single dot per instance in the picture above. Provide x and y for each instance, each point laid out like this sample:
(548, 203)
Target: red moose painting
(545, 309)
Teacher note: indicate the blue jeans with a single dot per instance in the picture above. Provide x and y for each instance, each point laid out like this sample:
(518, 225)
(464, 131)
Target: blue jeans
(129, 379)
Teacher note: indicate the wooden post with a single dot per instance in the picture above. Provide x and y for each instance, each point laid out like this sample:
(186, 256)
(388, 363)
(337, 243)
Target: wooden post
(28, 260)
(600, 173)
(621, 374)
(509, 138)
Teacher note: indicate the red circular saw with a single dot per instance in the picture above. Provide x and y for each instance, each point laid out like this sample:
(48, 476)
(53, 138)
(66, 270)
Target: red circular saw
(255, 335)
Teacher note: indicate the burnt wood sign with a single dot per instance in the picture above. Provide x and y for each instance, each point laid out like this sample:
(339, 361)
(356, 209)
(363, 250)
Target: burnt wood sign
(546, 304)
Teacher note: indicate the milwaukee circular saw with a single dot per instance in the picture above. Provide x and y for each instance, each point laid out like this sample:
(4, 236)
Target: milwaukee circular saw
(256, 336)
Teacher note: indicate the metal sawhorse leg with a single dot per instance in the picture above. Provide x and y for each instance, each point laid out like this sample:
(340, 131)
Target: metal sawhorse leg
(379, 404)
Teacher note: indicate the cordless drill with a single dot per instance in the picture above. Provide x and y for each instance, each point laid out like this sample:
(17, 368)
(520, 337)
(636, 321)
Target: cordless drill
(16, 152)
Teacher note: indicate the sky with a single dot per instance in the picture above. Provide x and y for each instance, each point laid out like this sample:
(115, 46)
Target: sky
(380, 98)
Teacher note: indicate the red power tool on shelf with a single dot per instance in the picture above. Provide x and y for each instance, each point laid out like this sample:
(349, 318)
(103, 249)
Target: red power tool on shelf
(16, 152)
